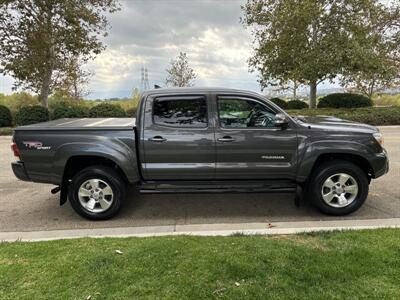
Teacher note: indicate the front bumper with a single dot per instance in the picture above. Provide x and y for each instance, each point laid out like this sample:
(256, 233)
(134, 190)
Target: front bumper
(19, 170)
(380, 164)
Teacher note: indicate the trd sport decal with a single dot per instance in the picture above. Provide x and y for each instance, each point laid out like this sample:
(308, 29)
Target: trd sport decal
(36, 145)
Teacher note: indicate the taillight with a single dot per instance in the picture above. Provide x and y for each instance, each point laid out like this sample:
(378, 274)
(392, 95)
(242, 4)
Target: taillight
(15, 149)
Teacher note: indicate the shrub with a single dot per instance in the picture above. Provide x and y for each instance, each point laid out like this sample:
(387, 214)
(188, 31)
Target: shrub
(344, 100)
(5, 116)
(280, 102)
(65, 110)
(131, 112)
(106, 110)
(296, 104)
(31, 114)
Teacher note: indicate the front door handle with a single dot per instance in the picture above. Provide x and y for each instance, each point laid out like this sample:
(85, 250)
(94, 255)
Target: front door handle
(157, 138)
(226, 139)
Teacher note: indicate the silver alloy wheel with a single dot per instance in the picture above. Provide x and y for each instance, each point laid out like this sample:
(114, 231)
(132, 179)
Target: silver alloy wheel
(339, 190)
(95, 195)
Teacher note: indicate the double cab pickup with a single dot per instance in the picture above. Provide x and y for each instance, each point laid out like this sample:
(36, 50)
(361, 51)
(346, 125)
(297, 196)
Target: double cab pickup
(198, 140)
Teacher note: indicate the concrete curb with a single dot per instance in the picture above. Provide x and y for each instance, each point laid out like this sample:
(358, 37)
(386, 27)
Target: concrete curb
(202, 230)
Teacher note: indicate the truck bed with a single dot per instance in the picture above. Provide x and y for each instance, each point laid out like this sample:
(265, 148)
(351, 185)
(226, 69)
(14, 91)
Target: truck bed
(82, 124)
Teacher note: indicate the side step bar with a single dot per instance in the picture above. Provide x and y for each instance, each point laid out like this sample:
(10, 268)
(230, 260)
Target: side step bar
(218, 187)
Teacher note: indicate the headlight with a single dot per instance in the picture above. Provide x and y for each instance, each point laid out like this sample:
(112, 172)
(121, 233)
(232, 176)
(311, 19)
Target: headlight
(379, 137)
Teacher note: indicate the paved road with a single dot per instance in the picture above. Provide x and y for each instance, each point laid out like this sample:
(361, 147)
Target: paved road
(26, 206)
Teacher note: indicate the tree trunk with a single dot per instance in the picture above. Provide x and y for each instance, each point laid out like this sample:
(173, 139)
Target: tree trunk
(45, 89)
(313, 94)
(294, 90)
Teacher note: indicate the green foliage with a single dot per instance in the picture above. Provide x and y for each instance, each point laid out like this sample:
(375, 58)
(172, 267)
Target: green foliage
(386, 100)
(16, 101)
(377, 116)
(5, 116)
(6, 131)
(106, 110)
(344, 100)
(41, 39)
(131, 112)
(280, 102)
(310, 41)
(297, 104)
(31, 114)
(66, 110)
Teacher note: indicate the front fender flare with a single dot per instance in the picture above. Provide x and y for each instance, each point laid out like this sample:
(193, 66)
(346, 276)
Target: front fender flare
(314, 150)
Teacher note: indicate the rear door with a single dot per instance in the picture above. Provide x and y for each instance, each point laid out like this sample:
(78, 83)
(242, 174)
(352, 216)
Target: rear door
(177, 139)
(248, 144)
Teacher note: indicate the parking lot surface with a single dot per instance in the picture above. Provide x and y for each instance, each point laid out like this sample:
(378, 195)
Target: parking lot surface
(26, 206)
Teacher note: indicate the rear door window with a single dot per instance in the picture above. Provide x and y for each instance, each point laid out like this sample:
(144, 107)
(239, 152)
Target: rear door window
(182, 112)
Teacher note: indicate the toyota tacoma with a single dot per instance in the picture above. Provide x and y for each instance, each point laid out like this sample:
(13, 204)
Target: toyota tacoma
(192, 140)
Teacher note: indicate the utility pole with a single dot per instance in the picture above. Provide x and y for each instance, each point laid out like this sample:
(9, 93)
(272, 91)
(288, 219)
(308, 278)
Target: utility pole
(144, 79)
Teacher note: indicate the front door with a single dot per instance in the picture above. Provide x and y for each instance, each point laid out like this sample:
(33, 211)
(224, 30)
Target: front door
(177, 139)
(249, 145)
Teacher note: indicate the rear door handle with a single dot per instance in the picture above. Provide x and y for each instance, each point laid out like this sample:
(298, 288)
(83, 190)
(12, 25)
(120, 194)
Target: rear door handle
(158, 139)
(226, 139)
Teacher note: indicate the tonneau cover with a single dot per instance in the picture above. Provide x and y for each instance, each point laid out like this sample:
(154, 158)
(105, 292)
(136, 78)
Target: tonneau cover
(83, 124)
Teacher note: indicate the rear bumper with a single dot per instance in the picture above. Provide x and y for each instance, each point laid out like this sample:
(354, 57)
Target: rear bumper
(380, 164)
(18, 168)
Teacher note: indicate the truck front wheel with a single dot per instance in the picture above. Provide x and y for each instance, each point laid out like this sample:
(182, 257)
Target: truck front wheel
(97, 193)
(338, 187)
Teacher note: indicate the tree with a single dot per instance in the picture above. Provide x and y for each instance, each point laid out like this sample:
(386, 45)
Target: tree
(40, 38)
(308, 41)
(376, 66)
(180, 73)
(76, 80)
(369, 83)
(292, 86)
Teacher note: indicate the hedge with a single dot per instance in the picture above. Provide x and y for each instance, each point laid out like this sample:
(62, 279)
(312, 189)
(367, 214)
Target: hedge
(31, 114)
(5, 116)
(377, 116)
(72, 111)
(280, 102)
(296, 104)
(345, 100)
(106, 110)
(131, 112)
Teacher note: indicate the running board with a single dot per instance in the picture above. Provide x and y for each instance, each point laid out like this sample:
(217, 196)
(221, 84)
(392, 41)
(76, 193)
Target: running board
(218, 187)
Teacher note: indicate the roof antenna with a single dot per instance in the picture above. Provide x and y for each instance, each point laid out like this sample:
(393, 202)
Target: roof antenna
(156, 86)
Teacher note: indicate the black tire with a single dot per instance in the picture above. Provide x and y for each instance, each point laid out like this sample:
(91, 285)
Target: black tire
(111, 178)
(328, 169)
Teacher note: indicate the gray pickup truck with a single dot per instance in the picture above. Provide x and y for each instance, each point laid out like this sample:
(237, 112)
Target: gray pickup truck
(195, 140)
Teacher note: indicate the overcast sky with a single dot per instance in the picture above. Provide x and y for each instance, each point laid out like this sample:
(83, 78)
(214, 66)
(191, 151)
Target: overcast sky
(153, 32)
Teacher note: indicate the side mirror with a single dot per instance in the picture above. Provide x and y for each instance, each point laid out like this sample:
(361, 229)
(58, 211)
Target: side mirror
(281, 120)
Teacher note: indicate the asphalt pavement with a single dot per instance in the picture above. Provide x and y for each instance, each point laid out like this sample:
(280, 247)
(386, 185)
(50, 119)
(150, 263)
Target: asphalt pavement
(26, 206)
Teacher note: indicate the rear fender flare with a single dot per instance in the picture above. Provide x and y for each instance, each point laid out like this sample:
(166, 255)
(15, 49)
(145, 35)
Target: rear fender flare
(118, 152)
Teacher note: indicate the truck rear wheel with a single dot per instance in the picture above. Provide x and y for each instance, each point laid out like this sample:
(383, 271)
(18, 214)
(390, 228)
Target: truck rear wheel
(338, 187)
(97, 193)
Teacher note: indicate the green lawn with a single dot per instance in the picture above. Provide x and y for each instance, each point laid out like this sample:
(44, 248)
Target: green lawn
(337, 265)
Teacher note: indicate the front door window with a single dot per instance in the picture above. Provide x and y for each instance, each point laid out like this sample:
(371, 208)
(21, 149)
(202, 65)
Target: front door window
(243, 113)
